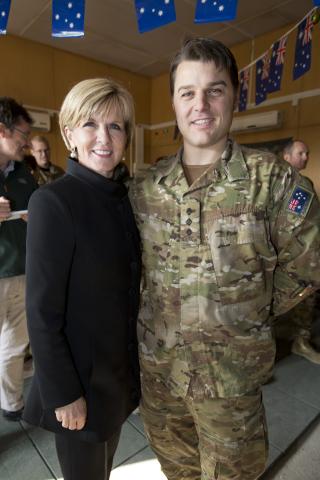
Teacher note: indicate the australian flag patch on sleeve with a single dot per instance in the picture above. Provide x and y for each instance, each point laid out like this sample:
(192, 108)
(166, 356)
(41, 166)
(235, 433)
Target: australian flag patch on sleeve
(300, 201)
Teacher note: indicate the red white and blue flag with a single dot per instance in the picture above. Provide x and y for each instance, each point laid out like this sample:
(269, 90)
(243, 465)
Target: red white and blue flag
(299, 201)
(244, 89)
(276, 64)
(262, 77)
(302, 61)
(4, 15)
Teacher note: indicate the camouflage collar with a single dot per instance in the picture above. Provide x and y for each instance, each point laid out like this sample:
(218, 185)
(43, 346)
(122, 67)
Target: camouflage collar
(235, 166)
(232, 162)
(166, 166)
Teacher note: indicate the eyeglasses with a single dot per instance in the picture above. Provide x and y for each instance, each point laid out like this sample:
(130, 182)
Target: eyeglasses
(25, 135)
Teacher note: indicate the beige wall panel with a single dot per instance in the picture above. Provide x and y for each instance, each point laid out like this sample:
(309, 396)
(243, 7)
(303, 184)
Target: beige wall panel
(27, 72)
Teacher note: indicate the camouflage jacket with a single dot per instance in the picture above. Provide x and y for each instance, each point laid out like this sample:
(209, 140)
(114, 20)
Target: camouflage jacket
(46, 175)
(221, 257)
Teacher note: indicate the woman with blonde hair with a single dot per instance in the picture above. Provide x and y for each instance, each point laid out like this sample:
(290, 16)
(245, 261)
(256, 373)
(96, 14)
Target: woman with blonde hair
(83, 271)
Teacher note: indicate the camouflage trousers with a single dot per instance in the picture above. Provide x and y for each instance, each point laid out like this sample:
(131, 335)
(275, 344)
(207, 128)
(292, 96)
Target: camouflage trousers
(298, 321)
(214, 438)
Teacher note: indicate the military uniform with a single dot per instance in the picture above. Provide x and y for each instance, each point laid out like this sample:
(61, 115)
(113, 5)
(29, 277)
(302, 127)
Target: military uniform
(47, 175)
(297, 323)
(221, 257)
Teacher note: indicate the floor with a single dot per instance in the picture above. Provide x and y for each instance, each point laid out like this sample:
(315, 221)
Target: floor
(292, 403)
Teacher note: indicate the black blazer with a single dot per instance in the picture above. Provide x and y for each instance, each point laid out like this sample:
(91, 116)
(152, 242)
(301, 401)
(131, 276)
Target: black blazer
(83, 274)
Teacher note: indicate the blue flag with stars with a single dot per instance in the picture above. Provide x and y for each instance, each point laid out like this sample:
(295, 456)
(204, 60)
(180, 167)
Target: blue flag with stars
(302, 61)
(152, 14)
(68, 18)
(316, 3)
(300, 201)
(215, 10)
(244, 89)
(4, 15)
(276, 64)
(262, 77)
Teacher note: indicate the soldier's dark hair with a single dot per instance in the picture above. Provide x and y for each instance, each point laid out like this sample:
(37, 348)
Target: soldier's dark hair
(12, 112)
(205, 50)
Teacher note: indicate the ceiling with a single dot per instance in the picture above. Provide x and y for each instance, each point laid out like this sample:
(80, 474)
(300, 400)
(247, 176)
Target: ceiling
(111, 33)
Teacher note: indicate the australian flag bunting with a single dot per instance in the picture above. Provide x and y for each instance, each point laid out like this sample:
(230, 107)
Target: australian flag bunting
(4, 15)
(276, 64)
(244, 89)
(262, 77)
(316, 3)
(152, 14)
(215, 11)
(302, 61)
(68, 18)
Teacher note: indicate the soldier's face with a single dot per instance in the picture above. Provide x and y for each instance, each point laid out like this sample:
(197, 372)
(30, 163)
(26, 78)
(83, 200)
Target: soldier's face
(41, 152)
(203, 101)
(299, 155)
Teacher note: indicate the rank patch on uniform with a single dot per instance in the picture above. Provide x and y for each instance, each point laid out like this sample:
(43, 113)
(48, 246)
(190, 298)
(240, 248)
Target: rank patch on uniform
(300, 201)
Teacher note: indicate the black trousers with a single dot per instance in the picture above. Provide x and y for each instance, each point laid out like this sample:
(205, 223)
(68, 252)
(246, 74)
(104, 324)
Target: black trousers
(81, 460)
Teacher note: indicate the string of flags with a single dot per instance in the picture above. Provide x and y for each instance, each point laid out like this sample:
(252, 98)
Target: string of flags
(269, 66)
(153, 14)
(68, 15)
(68, 21)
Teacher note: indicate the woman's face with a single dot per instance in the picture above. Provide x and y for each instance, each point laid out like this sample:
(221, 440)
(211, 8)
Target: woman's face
(100, 141)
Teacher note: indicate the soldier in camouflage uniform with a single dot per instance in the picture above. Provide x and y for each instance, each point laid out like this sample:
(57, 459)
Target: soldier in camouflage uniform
(301, 317)
(230, 238)
(45, 171)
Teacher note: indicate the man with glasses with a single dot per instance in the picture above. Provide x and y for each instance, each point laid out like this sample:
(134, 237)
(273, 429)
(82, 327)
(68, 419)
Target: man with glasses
(45, 171)
(16, 187)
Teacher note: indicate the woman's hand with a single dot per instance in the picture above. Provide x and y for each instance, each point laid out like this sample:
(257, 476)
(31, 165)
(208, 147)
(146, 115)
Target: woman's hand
(74, 415)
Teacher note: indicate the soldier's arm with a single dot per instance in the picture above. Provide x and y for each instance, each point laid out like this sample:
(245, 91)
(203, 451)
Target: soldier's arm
(295, 233)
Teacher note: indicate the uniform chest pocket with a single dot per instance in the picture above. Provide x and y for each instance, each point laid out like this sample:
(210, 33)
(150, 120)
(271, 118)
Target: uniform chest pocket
(240, 247)
(156, 234)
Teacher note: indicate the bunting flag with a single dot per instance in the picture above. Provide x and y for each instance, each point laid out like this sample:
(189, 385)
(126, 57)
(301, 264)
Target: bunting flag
(262, 77)
(316, 3)
(302, 62)
(215, 11)
(68, 18)
(244, 89)
(276, 64)
(152, 14)
(4, 15)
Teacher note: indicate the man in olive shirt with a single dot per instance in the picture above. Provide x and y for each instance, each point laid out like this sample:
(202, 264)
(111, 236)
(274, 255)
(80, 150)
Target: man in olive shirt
(45, 171)
(230, 237)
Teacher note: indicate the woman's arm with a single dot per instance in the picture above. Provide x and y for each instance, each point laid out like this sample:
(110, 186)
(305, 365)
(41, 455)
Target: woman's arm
(50, 249)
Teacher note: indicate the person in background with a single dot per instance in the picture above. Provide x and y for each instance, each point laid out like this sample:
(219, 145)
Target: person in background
(296, 152)
(45, 171)
(230, 237)
(16, 187)
(301, 317)
(83, 279)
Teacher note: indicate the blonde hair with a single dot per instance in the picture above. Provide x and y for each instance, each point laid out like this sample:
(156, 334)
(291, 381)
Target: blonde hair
(93, 96)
